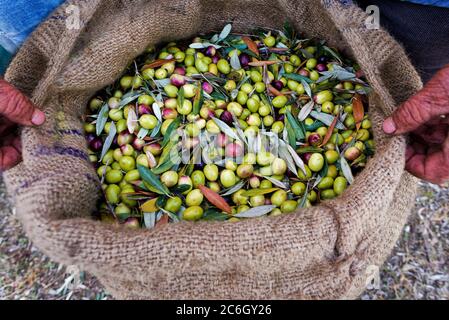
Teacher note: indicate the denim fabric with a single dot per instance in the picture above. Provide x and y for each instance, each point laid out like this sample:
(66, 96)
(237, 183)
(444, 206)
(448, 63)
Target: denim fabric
(18, 18)
(437, 3)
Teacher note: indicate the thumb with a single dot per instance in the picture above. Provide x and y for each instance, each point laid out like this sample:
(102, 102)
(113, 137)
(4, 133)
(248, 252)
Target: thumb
(430, 102)
(17, 107)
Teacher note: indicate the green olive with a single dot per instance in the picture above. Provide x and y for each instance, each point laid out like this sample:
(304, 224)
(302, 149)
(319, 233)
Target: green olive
(169, 178)
(227, 178)
(266, 184)
(112, 193)
(257, 201)
(328, 194)
(289, 206)
(252, 104)
(316, 162)
(193, 213)
(265, 158)
(223, 66)
(126, 82)
(340, 185)
(277, 127)
(305, 176)
(245, 170)
(186, 107)
(173, 204)
(148, 121)
(242, 208)
(122, 211)
(127, 163)
(132, 175)
(198, 178)
(332, 171)
(299, 188)
(312, 196)
(311, 63)
(108, 157)
(269, 41)
(279, 101)
(331, 156)
(278, 197)
(114, 176)
(323, 96)
(145, 99)
(279, 166)
(249, 158)
(211, 172)
(238, 198)
(326, 183)
(194, 198)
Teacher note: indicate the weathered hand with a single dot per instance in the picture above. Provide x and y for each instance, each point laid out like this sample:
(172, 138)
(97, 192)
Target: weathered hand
(425, 117)
(15, 109)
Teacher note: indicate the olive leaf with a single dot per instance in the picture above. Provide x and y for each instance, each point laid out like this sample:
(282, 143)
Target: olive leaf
(156, 130)
(285, 154)
(203, 45)
(214, 215)
(181, 97)
(297, 159)
(198, 100)
(314, 126)
(215, 199)
(131, 122)
(142, 133)
(152, 180)
(309, 149)
(235, 61)
(358, 110)
(329, 132)
(102, 119)
(129, 97)
(226, 129)
(327, 119)
(338, 73)
(252, 46)
(305, 110)
(302, 204)
(157, 111)
(181, 188)
(157, 63)
(297, 77)
(346, 169)
(149, 219)
(299, 132)
(233, 189)
(225, 32)
(110, 138)
(332, 53)
(171, 128)
(255, 212)
(276, 182)
(257, 192)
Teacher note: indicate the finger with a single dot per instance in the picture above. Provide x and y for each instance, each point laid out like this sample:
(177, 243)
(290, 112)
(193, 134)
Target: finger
(432, 166)
(432, 135)
(9, 157)
(431, 101)
(17, 107)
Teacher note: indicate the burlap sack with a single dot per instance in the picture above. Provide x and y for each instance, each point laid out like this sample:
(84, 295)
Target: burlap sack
(322, 252)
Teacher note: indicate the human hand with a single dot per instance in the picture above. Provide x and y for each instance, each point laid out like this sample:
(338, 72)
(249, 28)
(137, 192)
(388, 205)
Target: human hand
(15, 109)
(425, 117)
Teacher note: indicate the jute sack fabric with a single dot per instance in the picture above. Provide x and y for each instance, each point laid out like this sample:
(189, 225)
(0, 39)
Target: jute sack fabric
(317, 253)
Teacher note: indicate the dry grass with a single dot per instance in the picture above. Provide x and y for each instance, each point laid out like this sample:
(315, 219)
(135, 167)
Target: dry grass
(417, 269)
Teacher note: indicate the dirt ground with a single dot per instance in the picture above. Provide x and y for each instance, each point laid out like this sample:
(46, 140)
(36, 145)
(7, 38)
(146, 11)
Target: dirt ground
(418, 268)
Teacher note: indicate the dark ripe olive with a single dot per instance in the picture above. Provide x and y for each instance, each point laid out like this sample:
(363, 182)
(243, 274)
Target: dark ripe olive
(277, 84)
(306, 156)
(144, 109)
(210, 51)
(304, 72)
(280, 117)
(314, 139)
(90, 137)
(321, 67)
(322, 59)
(226, 117)
(244, 60)
(96, 144)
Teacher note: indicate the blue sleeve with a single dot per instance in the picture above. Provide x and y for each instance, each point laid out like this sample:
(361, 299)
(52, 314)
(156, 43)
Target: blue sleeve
(436, 3)
(18, 18)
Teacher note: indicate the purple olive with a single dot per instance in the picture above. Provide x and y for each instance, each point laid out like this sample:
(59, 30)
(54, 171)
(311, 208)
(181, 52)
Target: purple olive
(244, 60)
(207, 87)
(226, 117)
(125, 138)
(90, 137)
(314, 139)
(210, 51)
(306, 156)
(304, 72)
(180, 70)
(143, 109)
(321, 67)
(215, 59)
(277, 84)
(177, 80)
(280, 117)
(138, 144)
(96, 144)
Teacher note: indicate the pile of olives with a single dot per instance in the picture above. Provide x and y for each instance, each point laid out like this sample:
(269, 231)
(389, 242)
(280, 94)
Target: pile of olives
(228, 127)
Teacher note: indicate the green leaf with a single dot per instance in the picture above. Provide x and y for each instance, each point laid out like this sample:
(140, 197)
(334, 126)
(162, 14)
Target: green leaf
(171, 128)
(225, 32)
(151, 179)
(290, 134)
(167, 165)
(226, 129)
(299, 132)
(214, 215)
(128, 98)
(297, 77)
(181, 188)
(161, 201)
(302, 204)
(327, 119)
(303, 150)
(233, 189)
(102, 118)
(156, 130)
(110, 138)
(346, 169)
(181, 96)
(257, 192)
(314, 126)
(332, 53)
(142, 133)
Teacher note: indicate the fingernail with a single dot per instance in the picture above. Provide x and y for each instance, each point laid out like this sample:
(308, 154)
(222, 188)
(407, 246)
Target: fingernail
(389, 126)
(38, 117)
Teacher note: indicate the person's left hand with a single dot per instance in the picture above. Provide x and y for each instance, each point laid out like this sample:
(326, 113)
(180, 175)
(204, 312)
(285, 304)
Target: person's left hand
(15, 109)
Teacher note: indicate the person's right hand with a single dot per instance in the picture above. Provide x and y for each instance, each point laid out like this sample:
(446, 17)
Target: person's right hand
(15, 109)
(425, 117)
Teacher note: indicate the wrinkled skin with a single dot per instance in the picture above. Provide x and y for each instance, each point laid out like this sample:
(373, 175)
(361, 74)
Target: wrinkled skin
(425, 117)
(15, 109)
